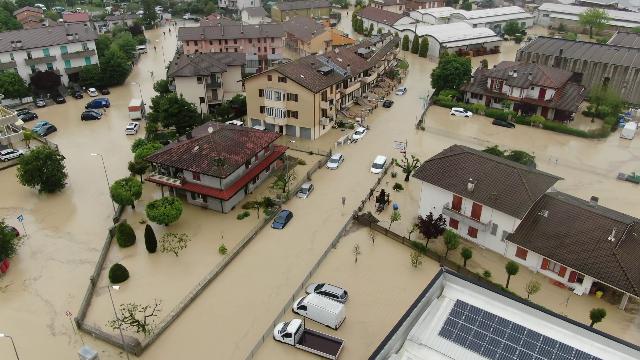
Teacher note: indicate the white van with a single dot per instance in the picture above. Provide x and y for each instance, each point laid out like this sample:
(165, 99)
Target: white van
(321, 309)
(136, 109)
(629, 130)
(378, 164)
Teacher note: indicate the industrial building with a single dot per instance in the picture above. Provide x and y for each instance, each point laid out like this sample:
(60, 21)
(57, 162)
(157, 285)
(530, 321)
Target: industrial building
(549, 14)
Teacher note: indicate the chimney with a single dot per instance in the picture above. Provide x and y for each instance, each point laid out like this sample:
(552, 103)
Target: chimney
(471, 184)
(515, 73)
(612, 237)
(75, 36)
(349, 69)
(530, 77)
(594, 201)
(19, 43)
(510, 72)
(560, 52)
(69, 36)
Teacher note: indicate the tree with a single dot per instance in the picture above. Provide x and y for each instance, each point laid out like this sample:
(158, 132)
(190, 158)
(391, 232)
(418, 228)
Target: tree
(284, 179)
(43, 168)
(604, 98)
(511, 28)
(395, 216)
(370, 29)
(150, 241)
(125, 42)
(451, 241)
(466, 254)
(512, 269)
(164, 211)
(484, 63)
(424, 47)
(103, 43)
(238, 104)
(174, 111)
(12, 86)
(138, 143)
(494, 150)
(597, 315)
(415, 44)
(115, 66)
(356, 251)
(45, 80)
(136, 317)
(162, 87)
(91, 76)
(118, 273)
(431, 228)
(416, 258)
(52, 15)
(451, 73)
(27, 136)
(466, 5)
(9, 241)
(150, 16)
(405, 43)
(594, 18)
(379, 31)
(125, 236)
(174, 243)
(138, 167)
(8, 5)
(521, 157)
(8, 22)
(408, 166)
(146, 150)
(126, 191)
(532, 287)
(256, 205)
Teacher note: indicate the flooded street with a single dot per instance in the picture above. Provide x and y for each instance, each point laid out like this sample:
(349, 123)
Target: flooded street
(66, 230)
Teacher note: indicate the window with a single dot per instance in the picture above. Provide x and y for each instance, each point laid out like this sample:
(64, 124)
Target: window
(201, 99)
(273, 50)
(67, 64)
(260, 92)
(188, 43)
(87, 60)
(226, 42)
(269, 77)
(265, 49)
(250, 41)
(456, 204)
(45, 52)
(282, 79)
(29, 56)
(50, 66)
(258, 40)
(272, 40)
(494, 229)
(11, 57)
(195, 175)
(521, 253)
(275, 112)
(85, 47)
(235, 41)
(199, 79)
(262, 109)
(210, 42)
(63, 49)
(275, 95)
(453, 223)
(505, 233)
(235, 50)
(293, 114)
(554, 267)
(472, 232)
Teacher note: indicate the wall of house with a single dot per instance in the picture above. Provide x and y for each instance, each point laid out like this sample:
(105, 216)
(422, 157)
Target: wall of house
(232, 80)
(279, 15)
(192, 91)
(255, 46)
(318, 45)
(253, 20)
(396, 8)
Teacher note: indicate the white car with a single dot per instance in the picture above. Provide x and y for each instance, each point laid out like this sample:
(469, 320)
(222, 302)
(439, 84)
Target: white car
(334, 161)
(140, 12)
(132, 128)
(92, 92)
(305, 190)
(359, 133)
(10, 154)
(460, 112)
(401, 90)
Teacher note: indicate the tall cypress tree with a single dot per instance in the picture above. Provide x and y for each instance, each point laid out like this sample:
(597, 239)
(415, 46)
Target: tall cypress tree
(405, 43)
(424, 47)
(415, 44)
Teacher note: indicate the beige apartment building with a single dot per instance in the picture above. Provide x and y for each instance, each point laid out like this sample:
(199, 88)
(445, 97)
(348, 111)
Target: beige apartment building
(302, 98)
(286, 10)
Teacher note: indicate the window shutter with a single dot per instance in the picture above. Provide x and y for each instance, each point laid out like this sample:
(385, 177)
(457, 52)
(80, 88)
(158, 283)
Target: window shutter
(563, 271)
(260, 92)
(573, 276)
(545, 264)
(453, 223)
(261, 109)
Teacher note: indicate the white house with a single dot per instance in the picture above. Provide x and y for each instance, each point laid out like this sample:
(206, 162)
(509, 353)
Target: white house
(395, 6)
(239, 4)
(254, 15)
(555, 14)
(483, 197)
(63, 48)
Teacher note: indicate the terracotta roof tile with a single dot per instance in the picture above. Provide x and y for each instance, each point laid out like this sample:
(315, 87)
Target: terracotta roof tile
(204, 64)
(231, 32)
(380, 16)
(303, 4)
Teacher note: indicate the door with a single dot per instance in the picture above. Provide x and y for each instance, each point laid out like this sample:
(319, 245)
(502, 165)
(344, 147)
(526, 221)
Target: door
(545, 112)
(542, 93)
(456, 204)
(476, 211)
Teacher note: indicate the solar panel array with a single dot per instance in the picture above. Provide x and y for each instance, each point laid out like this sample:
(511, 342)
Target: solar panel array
(495, 337)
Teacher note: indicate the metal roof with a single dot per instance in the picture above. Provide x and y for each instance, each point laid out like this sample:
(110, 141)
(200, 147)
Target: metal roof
(459, 32)
(487, 13)
(615, 15)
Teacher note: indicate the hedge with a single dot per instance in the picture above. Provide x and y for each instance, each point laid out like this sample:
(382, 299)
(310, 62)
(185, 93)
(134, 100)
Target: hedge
(556, 126)
(118, 273)
(125, 236)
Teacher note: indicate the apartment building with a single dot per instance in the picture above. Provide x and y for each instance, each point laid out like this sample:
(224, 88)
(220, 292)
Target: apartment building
(286, 10)
(254, 15)
(64, 49)
(396, 6)
(306, 36)
(302, 98)
(239, 4)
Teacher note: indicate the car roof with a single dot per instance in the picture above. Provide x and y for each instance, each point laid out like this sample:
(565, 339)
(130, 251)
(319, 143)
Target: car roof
(458, 108)
(361, 128)
(307, 184)
(332, 288)
(380, 158)
(336, 155)
(284, 212)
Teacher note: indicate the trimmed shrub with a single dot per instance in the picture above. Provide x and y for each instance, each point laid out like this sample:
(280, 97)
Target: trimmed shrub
(222, 250)
(398, 187)
(243, 215)
(118, 273)
(150, 241)
(497, 114)
(125, 236)
(302, 162)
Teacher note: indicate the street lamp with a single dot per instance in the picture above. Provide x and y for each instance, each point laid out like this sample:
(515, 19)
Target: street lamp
(115, 313)
(12, 343)
(139, 89)
(107, 177)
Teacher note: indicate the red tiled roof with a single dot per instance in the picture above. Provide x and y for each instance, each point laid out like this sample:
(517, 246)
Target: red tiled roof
(229, 192)
(380, 16)
(76, 17)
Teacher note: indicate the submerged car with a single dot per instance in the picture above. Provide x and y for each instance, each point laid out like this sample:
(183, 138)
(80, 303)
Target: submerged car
(330, 291)
(503, 123)
(401, 90)
(40, 102)
(334, 161)
(78, 94)
(132, 128)
(305, 190)
(27, 116)
(282, 219)
(90, 115)
(46, 130)
(92, 92)
(457, 111)
(59, 99)
(387, 104)
(39, 125)
(359, 133)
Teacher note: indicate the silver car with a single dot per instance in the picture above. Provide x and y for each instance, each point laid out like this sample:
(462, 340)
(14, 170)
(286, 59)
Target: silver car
(334, 161)
(305, 190)
(329, 291)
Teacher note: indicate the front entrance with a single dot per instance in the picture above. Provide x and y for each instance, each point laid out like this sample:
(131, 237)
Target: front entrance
(545, 112)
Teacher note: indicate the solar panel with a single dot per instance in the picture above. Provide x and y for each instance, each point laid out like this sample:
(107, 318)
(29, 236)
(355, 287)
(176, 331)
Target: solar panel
(497, 338)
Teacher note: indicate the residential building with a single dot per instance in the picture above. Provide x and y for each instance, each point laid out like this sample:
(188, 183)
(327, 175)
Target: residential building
(254, 15)
(302, 98)
(217, 19)
(217, 165)
(433, 16)
(494, 18)
(458, 318)
(207, 79)
(30, 17)
(70, 17)
(382, 19)
(63, 48)
(261, 43)
(423, 4)
(626, 39)
(396, 6)
(305, 36)
(239, 4)
(483, 197)
(593, 64)
(580, 244)
(9, 133)
(532, 88)
(125, 20)
(284, 11)
(549, 14)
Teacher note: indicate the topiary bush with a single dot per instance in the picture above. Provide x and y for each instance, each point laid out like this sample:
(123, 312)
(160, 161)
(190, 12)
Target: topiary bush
(243, 215)
(150, 241)
(125, 235)
(118, 273)
(398, 187)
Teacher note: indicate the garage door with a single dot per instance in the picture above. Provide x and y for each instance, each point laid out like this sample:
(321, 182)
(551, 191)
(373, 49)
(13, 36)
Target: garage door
(305, 133)
(291, 130)
(270, 127)
(255, 122)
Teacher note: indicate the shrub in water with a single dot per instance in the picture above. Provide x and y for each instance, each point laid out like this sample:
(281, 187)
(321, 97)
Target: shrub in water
(118, 273)
(150, 241)
(125, 235)
(222, 250)
(398, 187)
(243, 215)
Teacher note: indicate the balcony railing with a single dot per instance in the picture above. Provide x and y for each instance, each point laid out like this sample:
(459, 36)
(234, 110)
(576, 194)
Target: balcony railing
(213, 84)
(166, 179)
(275, 120)
(40, 60)
(213, 100)
(77, 54)
(464, 219)
(325, 121)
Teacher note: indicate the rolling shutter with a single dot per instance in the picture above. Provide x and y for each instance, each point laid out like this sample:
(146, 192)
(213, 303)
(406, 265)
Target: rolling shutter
(563, 271)
(545, 264)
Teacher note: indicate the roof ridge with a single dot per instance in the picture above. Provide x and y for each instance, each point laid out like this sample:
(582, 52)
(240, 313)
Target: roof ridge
(526, 186)
(624, 271)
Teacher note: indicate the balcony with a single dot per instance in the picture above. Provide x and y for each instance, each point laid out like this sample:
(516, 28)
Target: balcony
(464, 219)
(7, 65)
(165, 179)
(40, 60)
(213, 100)
(73, 69)
(213, 84)
(325, 104)
(275, 120)
(325, 121)
(78, 54)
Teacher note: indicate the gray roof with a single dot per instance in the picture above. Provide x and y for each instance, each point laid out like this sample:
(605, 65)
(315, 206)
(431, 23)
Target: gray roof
(501, 184)
(304, 4)
(121, 17)
(303, 28)
(389, 2)
(255, 11)
(379, 15)
(46, 36)
(204, 64)
(628, 39)
(231, 32)
(593, 240)
(604, 53)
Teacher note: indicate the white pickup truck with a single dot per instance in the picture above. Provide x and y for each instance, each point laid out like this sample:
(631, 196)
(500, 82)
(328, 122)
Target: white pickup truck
(295, 334)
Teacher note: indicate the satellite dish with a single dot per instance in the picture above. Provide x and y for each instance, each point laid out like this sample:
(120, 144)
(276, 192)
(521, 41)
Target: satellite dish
(210, 129)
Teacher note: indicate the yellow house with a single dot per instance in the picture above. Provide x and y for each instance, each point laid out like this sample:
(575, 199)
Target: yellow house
(284, 11)
(305, 36)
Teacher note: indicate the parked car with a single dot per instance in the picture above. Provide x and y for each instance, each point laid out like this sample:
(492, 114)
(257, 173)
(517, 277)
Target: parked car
(39, 125)
(503, 123)
(305, 190)
(282, 219)
(78, 94)
(401, 90)
(295, 334)
(334, 161)
(387, 104)
(98, 103)
(91, 115)
(22, 111)
(188, 16)
(92, 92)
(46, 130)
(359, 133)
(10, 154)
(132, 128)
(327, 290)
(141, 49)
(59, 99)
(27, 116)
(378, 164)
(40, 102)
(456, 111)
(105, 91)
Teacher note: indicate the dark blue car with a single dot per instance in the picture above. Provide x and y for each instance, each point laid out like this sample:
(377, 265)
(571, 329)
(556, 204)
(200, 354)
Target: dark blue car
(98, 103)
(282, 219)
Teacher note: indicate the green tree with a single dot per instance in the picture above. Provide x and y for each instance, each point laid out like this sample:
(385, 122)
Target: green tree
(138, 143)
(138, 167)
(416, 258)
(115, 66)
(125, 42)
(27, 136)
(164, 211)
(494, 150)
(91, 76)
(379, 31)
(512, 268)
(415, 44)
(9, 242)
(594, 18)
(8, 5)
(521, 157)
(150, 16)
(511, 28)
(466, 254)
(604, 97)
(466, 5)
(532, 287)
(174, 243)
(125, 236)
(8, 22)
(424, 47)
(395, 216)
(43, 168)
(126, 191)
(162, 87)
(12, 86)
(430, 227)
(103, 43)
(173, 111)
(405, 43)
(597, 315)
(54, 16)
(284, 179)
(146, 150)
(451, 241)
(150, 241)
(451, 73)
(484, 63)
(370, 29)
(408, 166)
(118, 273)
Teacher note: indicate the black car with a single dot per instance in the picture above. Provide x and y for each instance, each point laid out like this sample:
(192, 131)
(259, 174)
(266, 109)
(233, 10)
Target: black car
(90, 115)
(47, 129)
(78, 94)
(27, 116)
(59, 99)
(504, 123)
(387, 104)
(105, 91)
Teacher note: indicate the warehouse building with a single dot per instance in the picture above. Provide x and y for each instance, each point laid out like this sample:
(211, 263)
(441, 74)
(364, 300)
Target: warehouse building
(433, 16)
(549, 14)
(494, 19)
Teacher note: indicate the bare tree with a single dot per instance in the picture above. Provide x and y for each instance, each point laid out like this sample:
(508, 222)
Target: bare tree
(356, 251)
(174, 243)
(136, 317)
(408, 166)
